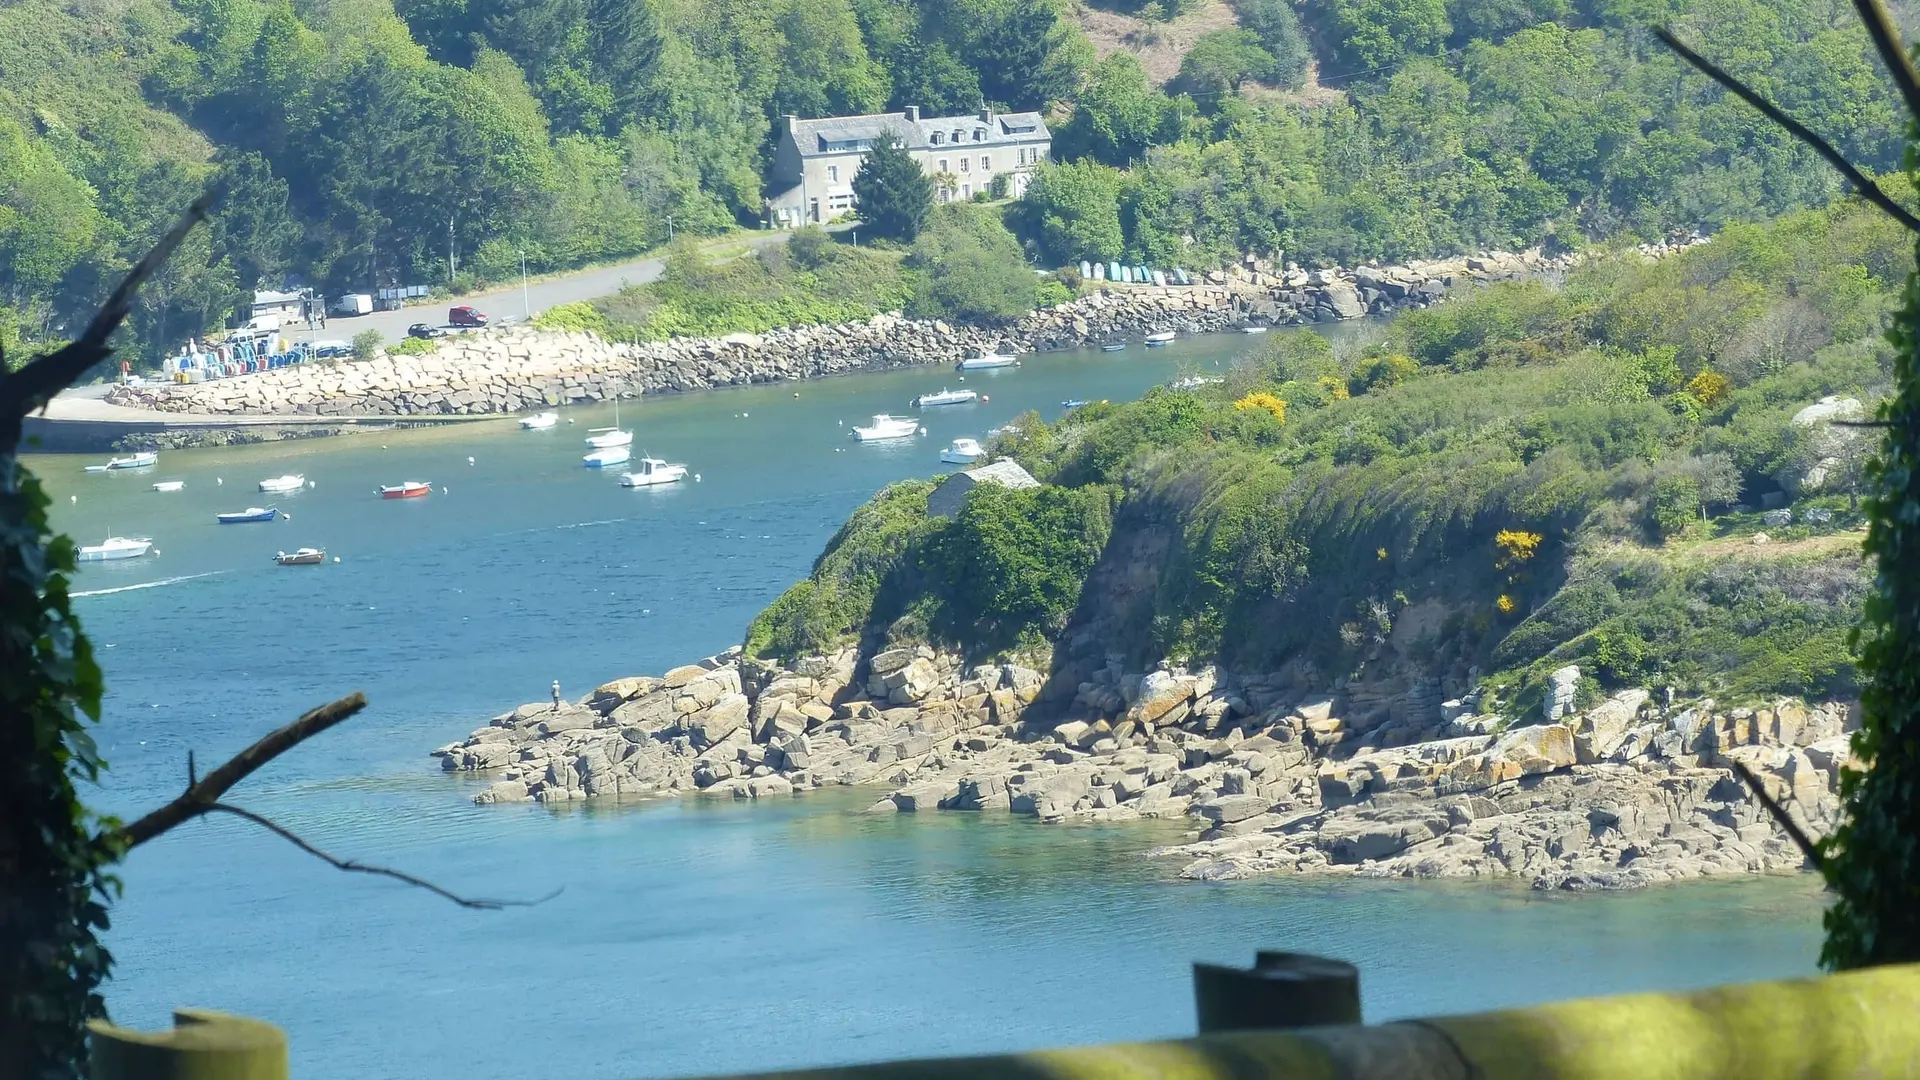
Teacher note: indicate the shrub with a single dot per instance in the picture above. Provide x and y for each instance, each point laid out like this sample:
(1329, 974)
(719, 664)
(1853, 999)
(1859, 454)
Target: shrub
(366, 344)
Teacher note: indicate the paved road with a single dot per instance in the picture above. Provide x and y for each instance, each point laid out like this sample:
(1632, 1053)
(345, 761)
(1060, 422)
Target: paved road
(506, 304)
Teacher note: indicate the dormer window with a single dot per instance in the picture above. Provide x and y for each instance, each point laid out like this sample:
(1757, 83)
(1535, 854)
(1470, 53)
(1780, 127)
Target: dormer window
(936, 138)
(979, 134)
(958, 135)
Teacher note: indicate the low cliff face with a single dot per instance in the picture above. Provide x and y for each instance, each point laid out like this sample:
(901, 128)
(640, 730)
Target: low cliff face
(1628, 793)
(507, 370)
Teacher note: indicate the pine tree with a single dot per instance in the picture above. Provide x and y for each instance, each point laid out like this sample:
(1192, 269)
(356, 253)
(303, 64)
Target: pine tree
(893, 193)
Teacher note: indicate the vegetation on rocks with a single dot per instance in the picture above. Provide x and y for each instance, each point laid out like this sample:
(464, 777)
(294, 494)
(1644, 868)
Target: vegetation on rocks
(1515, 480)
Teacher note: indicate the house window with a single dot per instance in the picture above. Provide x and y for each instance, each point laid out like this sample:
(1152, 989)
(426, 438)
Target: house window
(966, 191)
(986, 163)
(964, 162)
(936, 139)
(814, 209)
(956, 135)
(979, 134)
(943, 165)
(833, 174)
(840, 202)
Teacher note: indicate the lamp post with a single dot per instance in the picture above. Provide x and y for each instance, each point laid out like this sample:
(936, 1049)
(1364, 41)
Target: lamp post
(526, 304)
(669, 228)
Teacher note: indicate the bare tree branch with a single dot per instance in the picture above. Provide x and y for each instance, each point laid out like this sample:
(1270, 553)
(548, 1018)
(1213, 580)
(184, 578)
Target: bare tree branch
(1886, 41)
(1866, 187)
(34, 385)
(201, 795)
(352, 866)
(1779, 814)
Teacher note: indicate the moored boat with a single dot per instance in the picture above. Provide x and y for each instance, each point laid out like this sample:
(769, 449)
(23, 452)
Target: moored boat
(887, 427)
(607, 438)
(608, 455)
(1253, 329)
(947, 397)
(1160, 339)
(141, 460)
(1113, 346)
(250, 514)
(409, 489)
(653, 471)
(116, 547)
(1072, 403)
(170, 485)
(539, 421)
(306, 556)
(988, 360)
(963, 452)
(281, 485)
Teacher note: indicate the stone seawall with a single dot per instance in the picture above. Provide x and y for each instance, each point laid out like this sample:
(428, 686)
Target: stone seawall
(510, 370)
(1272, 777)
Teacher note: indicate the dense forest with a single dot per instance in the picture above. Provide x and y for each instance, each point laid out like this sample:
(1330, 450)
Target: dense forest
(1518, 479)
(363, 142)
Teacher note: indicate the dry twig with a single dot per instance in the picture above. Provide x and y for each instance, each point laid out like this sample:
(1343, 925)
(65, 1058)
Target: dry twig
(1779, 814)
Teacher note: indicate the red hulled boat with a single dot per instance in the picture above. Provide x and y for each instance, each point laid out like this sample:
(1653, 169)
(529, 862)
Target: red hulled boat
(409, 489)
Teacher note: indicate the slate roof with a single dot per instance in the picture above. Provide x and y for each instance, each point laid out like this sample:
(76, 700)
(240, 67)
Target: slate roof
(846, 134)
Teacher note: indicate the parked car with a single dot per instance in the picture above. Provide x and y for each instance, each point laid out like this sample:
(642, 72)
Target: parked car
(422, 330)
(466, 316)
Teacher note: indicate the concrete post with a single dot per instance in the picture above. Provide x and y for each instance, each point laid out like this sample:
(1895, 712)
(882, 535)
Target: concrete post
(1281, 990)
(203, 1045)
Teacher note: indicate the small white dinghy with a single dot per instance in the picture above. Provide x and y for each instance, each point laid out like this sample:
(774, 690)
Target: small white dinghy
(281, 485)
(610, 455)
(987, 361)
(963, 452)
(653, 471)
(116, 547)
(539, 421)
(170, 485)
(141, 460)
(947, 397)
(1159, 340)
(888, 427)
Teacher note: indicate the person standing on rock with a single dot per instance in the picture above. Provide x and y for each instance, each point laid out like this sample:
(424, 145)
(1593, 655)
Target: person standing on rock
(556, 695)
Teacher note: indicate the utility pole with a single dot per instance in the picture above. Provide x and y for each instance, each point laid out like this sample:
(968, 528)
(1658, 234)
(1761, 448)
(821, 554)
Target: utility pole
(526, 305)
(450, 267)
(669, 228)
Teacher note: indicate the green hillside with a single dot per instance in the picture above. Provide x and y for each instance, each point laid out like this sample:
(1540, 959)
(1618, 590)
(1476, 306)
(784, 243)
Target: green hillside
(1508, 482)
(361, 143)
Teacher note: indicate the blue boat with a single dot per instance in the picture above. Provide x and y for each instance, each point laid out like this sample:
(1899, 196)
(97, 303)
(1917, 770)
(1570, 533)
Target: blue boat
(1073, 404)
(251, 513)
(1113, 271)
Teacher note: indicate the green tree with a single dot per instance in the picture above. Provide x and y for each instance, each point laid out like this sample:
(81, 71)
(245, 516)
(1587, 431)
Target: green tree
(1220, 62)
(1118, 115)
(1278, 27)
(1014, 559)
(1373, 35)
(892, 192)
(1072, 212)
(972, 265)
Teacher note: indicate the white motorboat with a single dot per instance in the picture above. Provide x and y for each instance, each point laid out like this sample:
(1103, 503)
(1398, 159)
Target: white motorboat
(539, 421)
(963, 452)
(1160, 339)
(280, 485)
(1253, 329)
(888, 427)
(141, 460)
(116, 547)
(606, 438)
(988, 360)
(653, 471)
(608, 455)
(170, 485)
(947, 397)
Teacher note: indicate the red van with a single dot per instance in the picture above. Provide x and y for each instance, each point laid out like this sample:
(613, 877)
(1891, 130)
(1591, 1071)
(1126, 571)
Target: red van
(466, 316)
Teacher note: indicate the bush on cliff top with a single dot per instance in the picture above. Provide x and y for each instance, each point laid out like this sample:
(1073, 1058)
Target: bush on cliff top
(1363, 527)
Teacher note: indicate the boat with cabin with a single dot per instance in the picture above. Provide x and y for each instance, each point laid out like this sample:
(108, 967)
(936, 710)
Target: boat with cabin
(407, 489)
(607, 438)
(306, 556)
(653, 471)
(987, 361)
(117, 547)
(947, 397)
(887, 427)
(963, 452)
(143, 459)
(170, 485)
(281, 485)
(608, 455)
(250, 514)
(539, 421)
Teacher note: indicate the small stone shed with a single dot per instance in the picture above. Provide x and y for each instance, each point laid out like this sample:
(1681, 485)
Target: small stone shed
(946, 499)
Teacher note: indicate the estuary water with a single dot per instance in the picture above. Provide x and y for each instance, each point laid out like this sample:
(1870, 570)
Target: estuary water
(688, 936)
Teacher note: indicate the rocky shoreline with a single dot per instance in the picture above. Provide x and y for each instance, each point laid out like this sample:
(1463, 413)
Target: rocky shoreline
(1628, 792)
(515, 369)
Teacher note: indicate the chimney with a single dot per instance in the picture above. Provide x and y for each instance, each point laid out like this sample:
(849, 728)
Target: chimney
(986, 114)
(913, 114)
(793, 121)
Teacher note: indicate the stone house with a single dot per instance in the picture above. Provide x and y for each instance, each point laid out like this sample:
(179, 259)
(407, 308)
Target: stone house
(815, 161)
(945, 500)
